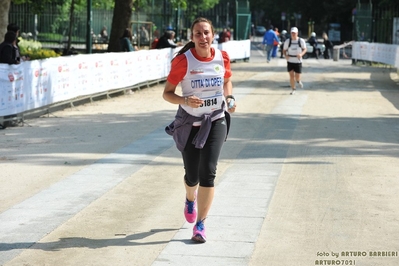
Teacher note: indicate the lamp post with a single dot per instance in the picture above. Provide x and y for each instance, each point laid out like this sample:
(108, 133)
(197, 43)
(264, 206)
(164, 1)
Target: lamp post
(310, 26)
(152, 11)
(299, 22)
(227, 14)
(282, 19)
(89, 42)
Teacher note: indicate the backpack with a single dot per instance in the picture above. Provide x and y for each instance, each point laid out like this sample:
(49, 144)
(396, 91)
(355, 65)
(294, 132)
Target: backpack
(299, 42)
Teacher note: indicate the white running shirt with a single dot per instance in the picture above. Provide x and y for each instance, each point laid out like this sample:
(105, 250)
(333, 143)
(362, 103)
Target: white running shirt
(294, 49)
(204, 80)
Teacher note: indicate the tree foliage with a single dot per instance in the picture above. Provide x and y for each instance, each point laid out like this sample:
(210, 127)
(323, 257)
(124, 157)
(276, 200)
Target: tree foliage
(202, 5)
(103, 4)
(37, 5)
(321, 12)
(385, 3)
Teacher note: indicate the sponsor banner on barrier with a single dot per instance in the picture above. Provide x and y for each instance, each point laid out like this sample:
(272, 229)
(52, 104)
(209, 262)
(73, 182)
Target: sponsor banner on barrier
(376, 52)
(38, 83)
(237, 50)
(12, 92)
(38, 71)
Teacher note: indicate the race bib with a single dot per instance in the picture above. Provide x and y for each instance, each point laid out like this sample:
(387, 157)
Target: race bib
(212, 101)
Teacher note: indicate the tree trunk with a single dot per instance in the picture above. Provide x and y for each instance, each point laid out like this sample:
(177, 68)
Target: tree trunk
(72, 10)
(4, 10)
(120, 21)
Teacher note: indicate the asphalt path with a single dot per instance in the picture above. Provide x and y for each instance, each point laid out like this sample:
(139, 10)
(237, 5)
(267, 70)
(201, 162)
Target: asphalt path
(305, 179)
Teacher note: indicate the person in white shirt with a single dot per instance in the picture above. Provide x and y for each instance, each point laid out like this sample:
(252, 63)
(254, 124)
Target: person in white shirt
(294, 48)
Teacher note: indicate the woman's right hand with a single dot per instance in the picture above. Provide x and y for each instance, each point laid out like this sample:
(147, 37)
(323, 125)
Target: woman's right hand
(194, 102)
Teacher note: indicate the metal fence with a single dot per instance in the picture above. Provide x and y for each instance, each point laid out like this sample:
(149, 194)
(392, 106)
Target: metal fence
(52, 25)
(376, 24)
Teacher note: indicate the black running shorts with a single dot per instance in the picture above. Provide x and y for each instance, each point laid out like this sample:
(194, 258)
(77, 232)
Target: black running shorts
(297, 67)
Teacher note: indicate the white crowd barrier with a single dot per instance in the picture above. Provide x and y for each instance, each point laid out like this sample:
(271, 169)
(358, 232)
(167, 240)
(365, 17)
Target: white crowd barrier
(39, 83)
(376, 52)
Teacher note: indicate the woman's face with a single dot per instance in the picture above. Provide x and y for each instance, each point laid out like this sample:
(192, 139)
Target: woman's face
(202, 35)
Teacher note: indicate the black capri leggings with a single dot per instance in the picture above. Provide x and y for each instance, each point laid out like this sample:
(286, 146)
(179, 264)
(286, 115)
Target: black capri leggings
(200, 164)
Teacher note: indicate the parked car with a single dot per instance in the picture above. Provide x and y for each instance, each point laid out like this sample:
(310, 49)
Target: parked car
(260, 30)
(320, 49)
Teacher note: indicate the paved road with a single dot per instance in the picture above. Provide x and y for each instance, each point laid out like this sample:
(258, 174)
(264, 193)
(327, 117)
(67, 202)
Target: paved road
(302, 180)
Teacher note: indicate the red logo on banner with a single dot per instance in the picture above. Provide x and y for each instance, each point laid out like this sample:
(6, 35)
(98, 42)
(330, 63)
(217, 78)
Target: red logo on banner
(59, 68)
(36, 73)
(11, 77)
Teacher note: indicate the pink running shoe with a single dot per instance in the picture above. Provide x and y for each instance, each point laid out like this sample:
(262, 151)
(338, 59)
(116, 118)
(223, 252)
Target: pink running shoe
(199, 232)
(190, 210)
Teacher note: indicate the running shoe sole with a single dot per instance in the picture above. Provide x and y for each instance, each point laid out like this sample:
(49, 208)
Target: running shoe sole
(198, 238)
(199, 232)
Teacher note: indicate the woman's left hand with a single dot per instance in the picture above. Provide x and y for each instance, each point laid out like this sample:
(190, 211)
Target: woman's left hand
(232, 109)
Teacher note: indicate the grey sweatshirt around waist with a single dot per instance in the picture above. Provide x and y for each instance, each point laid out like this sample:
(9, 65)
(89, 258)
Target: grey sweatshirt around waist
(180, 128)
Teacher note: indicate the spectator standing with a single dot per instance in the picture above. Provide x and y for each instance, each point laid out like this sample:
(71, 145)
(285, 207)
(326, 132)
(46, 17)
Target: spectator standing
(15, 28)
(294, 49)
(268, 40)
(104, 35)
(144, 36)
(156, 32)
(276, 43)
(225, 35)
(126, 41)
(221, 36)
(362, 38)
(171, 39)
(328, 45)
(313, 42)
(156, 38)
(9, 55)
(16, 58)
(8, 49)
(167, 40)
(283, 37)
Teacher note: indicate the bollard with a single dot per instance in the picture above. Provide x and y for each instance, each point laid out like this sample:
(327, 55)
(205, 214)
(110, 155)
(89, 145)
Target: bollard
(335, 54)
